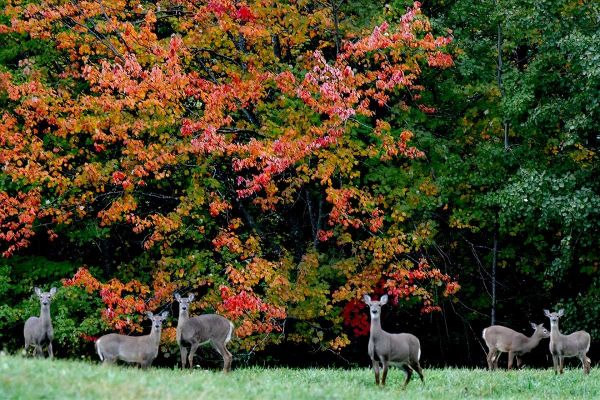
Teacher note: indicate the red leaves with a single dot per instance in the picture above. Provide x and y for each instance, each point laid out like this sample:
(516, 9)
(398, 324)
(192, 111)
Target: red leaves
(118, 177)
(125, 300)
(17, 215)
(356, 318)
(244, 14)
(218, 205)
(163, 119)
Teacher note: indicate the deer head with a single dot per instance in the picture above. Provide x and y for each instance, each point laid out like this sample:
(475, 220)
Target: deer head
(539, 330)
(157, 320)
(554, 316)
(184, 302)
(375, 306)
(45, 297)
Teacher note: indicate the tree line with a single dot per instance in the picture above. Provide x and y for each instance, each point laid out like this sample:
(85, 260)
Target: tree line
(282, 159)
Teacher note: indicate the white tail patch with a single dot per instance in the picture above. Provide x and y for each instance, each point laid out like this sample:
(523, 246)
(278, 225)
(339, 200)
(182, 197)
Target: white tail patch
(419, 354)
(98, 349)
(483, 334)
(230, 332)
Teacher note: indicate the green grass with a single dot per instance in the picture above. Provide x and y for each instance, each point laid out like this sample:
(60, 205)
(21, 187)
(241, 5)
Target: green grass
(22, 378)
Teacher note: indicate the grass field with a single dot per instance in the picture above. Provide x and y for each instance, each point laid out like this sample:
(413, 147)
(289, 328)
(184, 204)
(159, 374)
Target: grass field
(60, 379)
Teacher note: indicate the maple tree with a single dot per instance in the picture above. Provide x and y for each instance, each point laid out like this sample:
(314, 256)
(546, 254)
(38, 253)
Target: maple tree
(202, 126)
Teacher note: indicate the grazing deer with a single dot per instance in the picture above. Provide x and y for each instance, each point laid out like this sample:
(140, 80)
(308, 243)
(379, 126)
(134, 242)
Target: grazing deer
(500, 339)
(577, 344)
(132, 349)
(401, 349)
(196, 331)
(38, 330)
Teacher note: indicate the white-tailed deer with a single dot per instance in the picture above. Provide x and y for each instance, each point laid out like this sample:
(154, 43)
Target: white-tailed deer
(401, 349)
(577, 344)
(132, 349)
(38, 330)
(500, 339)
(196, 331)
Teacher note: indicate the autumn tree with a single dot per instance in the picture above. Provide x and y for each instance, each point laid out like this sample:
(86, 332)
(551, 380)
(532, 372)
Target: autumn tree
(255, 152)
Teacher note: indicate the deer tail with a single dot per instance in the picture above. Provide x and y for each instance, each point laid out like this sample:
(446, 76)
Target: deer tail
(96, 344)
(231, 328)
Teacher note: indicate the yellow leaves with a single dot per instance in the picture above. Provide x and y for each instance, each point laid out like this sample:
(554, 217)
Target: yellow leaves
(460, 223)
(118, 210)
(582, 155)
(339, 342)
(428, 187)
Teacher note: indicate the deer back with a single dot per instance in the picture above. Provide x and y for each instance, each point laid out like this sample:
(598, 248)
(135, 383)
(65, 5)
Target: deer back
(503, 338)
(396, 347)
(206, 327)
(128, 348)
(570, 345)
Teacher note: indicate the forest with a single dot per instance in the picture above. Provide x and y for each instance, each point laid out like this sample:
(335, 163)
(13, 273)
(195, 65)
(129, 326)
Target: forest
(282, 159)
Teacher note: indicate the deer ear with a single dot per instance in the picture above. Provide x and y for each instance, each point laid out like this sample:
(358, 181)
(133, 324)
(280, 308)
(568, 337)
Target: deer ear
(37, 291)
(546, 313)
(53, 291)
(164, 314)
(149, 314)
(534, 326)
(384, 299)
(191, 296)
(367, 299)
(561, 312)
(177, 297)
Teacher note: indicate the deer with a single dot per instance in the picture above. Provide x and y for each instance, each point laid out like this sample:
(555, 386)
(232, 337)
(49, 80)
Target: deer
(38, 331)
(202, 329)
(500, 339)
(141, 350)
(577, 344)
(401, 349)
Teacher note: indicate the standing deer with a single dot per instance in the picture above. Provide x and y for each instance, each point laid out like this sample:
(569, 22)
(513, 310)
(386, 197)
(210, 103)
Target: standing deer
(38, 330)
(196, 331)
(401, 349)
(577, 344)
(132, 349)
(500, 339)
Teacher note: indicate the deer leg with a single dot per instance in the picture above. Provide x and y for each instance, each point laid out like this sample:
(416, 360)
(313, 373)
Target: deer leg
(489, 359)
(109, 360)
(586, 364)
(519, 362)
(50, 352)
(417, 367)
(496, 357)
(38, 350)
(227, 357)
(183, 352)
(385, 371)
(376, 370)
(555, 363)
(408, 370)
(191, 354)
(511, 357)
(562, 363)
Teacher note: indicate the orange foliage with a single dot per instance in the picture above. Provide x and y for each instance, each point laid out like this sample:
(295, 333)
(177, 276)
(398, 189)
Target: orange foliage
(250, 97)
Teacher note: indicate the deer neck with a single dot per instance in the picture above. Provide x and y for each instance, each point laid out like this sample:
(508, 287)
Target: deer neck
(554, 331)
(155, 335)
(45, 315)
(532, 342)
(375, 325)
(184, 315)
